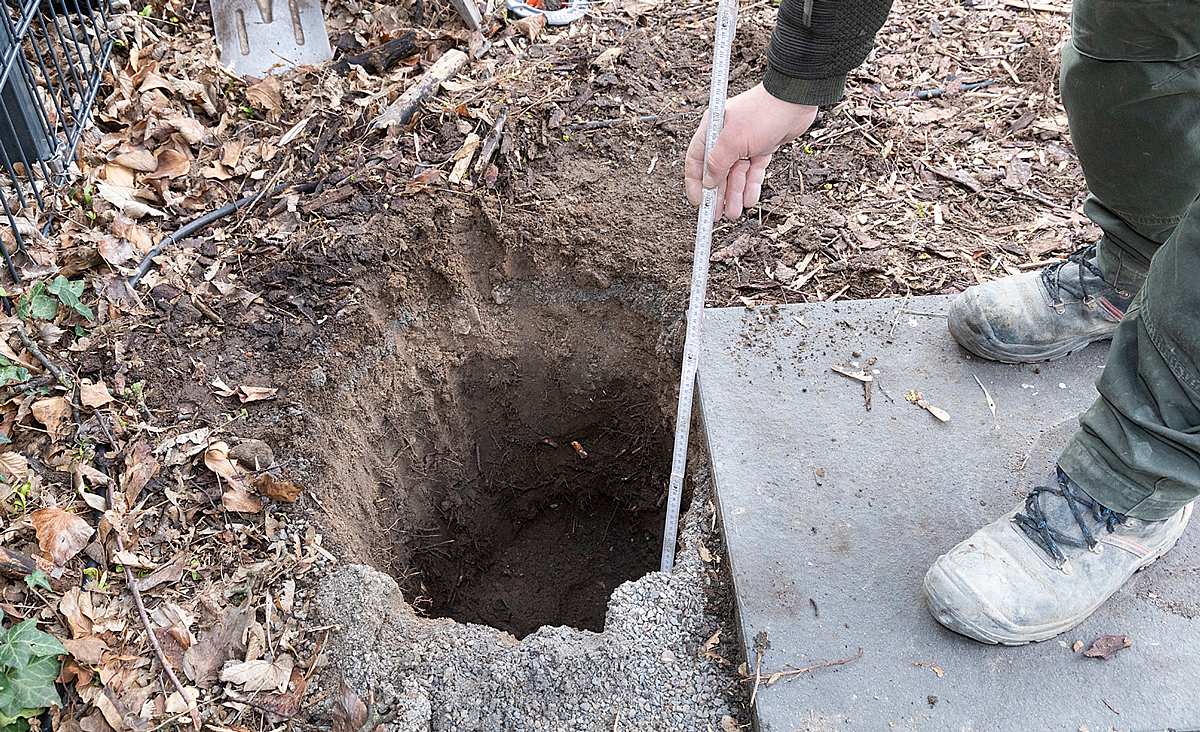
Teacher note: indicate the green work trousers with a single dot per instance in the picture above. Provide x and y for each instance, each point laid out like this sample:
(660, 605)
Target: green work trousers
(1131, 87)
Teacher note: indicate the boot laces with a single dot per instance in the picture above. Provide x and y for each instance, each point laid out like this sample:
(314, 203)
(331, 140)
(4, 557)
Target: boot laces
(1084, 258)
(1034, 522)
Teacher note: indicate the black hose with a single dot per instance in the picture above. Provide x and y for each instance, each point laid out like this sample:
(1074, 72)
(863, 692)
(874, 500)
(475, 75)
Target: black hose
(208, 219)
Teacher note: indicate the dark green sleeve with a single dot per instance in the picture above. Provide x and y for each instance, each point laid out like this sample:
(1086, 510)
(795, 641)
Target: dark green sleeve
(816, 43)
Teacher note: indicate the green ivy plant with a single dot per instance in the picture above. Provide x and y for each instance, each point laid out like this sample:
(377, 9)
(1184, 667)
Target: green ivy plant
(41, 301)
(28, 667)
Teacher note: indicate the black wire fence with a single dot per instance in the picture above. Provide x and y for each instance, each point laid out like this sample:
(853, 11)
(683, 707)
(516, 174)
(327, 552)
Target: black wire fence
(52, 54)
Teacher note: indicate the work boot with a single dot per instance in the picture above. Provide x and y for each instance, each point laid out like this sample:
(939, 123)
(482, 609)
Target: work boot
(1040, 316)
(1045, 566)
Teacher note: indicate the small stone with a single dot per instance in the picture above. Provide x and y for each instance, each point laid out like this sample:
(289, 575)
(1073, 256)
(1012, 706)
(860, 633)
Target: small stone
(253, 454)
(317, 377)
(667, 656)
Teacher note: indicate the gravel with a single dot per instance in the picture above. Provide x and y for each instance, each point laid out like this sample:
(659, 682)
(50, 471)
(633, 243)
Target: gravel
(648, 670)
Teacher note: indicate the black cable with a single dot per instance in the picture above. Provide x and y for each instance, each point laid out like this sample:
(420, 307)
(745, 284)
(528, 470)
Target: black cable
(211, 217)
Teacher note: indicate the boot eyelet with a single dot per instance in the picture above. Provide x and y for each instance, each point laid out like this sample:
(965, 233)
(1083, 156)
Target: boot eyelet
(1066, 568)
(1098, 549)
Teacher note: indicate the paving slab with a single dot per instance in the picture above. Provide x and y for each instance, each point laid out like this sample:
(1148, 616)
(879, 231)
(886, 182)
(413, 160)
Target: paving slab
(833, 512)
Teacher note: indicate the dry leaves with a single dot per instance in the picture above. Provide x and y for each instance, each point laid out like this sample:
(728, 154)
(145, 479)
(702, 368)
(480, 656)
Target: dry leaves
(1106, 646)
(55, 415)
(60, 534)
(260, 674)
(236, 495)
(94, 395)
(277, 489)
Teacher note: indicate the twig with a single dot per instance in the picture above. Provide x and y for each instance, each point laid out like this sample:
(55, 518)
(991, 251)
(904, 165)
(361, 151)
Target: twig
(794, 672)
(51, 367)
(925, 94)
(158, 651)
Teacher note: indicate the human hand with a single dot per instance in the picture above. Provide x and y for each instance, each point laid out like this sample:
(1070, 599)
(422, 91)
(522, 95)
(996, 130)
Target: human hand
(756, 125)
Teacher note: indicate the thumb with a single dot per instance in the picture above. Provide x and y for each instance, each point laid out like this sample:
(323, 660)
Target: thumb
(720, 160)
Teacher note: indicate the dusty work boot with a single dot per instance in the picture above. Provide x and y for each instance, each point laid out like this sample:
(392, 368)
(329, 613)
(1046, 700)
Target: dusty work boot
(1045, 566)
(1040, 316)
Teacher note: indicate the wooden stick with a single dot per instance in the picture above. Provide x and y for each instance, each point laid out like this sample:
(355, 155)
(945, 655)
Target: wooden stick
(158, 651)
(379, 59)
(401, 111)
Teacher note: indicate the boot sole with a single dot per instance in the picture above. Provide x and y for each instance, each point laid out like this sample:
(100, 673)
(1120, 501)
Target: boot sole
(1037, 635)
(987, 346)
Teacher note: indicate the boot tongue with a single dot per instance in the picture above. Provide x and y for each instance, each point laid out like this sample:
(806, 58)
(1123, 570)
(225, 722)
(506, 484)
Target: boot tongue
(1050, 523)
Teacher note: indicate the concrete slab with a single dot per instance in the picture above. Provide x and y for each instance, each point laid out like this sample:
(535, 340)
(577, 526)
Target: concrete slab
(832, 514)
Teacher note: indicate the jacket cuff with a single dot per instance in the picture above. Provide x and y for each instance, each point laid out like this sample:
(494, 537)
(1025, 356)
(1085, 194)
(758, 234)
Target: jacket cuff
(815, 92)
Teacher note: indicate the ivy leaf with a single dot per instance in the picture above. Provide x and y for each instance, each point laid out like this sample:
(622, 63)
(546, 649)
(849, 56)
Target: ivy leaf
(37, 578)
(33, 685)
(23, 642)
(37, 304)
(68, 293)
(11, 373)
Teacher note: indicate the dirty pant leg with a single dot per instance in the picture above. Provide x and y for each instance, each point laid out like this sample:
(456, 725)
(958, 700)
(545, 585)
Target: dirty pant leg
(1130, 83)
(1137, 450)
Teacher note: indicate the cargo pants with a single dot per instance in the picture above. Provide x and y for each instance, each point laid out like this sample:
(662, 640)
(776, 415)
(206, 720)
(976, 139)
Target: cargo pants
(1131, 86)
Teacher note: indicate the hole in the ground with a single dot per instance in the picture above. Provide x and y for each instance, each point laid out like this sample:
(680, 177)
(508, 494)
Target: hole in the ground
(544, 490)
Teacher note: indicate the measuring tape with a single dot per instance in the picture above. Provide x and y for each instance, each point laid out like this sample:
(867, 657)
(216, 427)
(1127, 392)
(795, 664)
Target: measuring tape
(722, 43)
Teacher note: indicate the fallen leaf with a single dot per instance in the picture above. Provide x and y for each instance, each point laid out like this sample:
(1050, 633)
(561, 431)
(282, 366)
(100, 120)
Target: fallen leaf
(94, 395)
(202, 661)
(55, 415)
(740, 246)
(423, 180)
(256, 393)
(140, 469)
(115, 251)
(60, 534)
(86, 650)
(285, 705)
(266, 95)
(192, 131)
(531, 27)
(1077, 646)
(122, 198)
(171, 164)
(236, 495)
(260, 675)
(168, 573)
(220, 388)
(277, 489)
(1106, 646)
(14, 465)
(76, 606)
(349, 711)
(607, 61)
(139, 159)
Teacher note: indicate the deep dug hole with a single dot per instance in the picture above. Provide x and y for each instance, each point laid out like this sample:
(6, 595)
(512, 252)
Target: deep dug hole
(517, 444)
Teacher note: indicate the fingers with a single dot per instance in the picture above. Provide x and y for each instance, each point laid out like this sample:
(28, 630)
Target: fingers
(693, 165)
(735, 188)
(721, 159)
(754, 180)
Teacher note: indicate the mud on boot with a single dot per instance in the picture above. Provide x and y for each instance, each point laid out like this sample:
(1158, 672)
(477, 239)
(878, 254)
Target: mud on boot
(1040, 316)
(1044, 567)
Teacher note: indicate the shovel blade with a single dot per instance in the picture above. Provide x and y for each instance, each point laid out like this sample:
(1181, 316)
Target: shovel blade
(257, 37)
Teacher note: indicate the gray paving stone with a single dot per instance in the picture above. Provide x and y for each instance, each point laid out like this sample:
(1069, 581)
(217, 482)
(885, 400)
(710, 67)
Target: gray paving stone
(832, 514)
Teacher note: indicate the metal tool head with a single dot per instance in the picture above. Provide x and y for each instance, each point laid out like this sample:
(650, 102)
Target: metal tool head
(257, 37)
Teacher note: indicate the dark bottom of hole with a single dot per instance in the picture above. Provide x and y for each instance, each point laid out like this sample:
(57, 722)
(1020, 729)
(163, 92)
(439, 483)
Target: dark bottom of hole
(557, 567)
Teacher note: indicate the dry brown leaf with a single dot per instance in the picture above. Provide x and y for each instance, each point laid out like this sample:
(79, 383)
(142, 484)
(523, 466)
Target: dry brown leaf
(115, 251)
(1106, 646)
(349, 711)
(236, 495)
(231, 153)
(60, 534)
(218, 645)
(277, 489)
(286, 705)
(86, 650)
(171, 164)
(423, 180)
(76, 606)
(55, 415)
(192, 131)
(122, 198)
(140, 468)
(266, 95)
(128, 229)
(256, 393)
(260, 675)
(14, 465)
(531, 27)
(168, 573)
(94, 395)
(139, 159)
